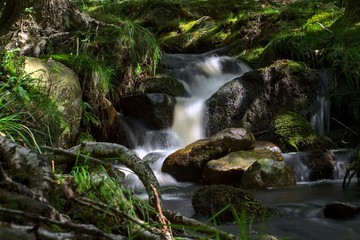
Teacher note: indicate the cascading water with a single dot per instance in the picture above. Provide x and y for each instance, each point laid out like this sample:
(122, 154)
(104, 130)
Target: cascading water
(320, 111)
(202, 75)
(298, 162)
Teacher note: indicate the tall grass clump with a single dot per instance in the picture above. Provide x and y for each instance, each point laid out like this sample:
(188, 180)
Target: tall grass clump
(27, 115)
(96, 184)
(143, 49)
(93, 73)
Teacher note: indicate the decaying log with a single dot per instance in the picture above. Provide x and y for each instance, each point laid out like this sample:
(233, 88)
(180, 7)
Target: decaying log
(18, 163)
(26, 166)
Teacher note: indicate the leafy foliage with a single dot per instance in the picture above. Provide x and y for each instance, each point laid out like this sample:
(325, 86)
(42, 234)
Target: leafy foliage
(99, 186)
(23, 106)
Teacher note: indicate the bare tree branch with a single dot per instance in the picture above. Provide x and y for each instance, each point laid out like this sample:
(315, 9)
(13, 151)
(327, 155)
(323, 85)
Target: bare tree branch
(82, 228)
(124, 155)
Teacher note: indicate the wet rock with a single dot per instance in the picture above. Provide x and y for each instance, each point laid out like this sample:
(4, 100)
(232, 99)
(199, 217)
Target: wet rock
(339, 210)
(231, 201)
(155, 109)
(321, 164)
(267, 172)
(187, 163)
(252, 100)
(230, 169)
(162, 84)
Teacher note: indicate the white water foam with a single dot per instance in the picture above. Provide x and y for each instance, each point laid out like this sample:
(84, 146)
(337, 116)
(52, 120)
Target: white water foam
(201, 76)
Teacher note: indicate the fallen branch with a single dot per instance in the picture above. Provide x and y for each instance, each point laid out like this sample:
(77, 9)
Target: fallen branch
(22, 163)
(125, 156)
(81, 228)
(146, 231)
(27, 197)
(176, 218)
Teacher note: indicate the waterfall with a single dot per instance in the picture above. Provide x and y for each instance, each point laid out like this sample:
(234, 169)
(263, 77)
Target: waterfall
(320, 110)
(298, 161)
(201, 75)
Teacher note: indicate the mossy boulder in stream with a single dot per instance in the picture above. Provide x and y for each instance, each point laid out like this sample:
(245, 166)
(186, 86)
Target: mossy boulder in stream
(254, 99)
(292, 132)
(187, 163)
(232, 202)
(161, 84)
(267, 172)
(230, 169)
(154, 109)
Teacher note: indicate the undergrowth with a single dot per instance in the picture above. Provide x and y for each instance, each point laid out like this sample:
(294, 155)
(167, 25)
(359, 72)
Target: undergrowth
(27, 114)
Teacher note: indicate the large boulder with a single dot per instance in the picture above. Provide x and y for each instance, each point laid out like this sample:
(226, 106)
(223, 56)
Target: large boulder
(321, 165)
(267, 172)
(252, 100)
(187, 163)
(232, 202)
(155, 109)
(63, 87)
(339, 210)
(230, 169)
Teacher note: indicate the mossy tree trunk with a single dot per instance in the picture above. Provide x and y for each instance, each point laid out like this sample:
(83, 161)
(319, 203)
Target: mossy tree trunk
(30, 24)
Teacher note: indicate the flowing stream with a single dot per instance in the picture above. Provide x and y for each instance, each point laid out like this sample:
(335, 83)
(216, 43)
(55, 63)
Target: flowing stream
(202, 75)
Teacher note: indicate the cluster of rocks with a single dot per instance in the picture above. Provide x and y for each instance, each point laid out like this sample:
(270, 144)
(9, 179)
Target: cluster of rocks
(231, 157)
(225, 164)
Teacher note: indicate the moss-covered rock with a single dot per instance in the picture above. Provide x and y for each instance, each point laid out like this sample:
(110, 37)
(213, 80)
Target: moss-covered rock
(254, 99)
(63, 87)
(321, 165)
(161, 84)
(266, 172)
(156, 110)
(232, 202)
(230, 169)
(292, 132)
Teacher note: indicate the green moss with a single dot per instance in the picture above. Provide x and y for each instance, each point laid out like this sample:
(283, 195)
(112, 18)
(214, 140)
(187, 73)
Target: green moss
(292, 132)
(226, 204)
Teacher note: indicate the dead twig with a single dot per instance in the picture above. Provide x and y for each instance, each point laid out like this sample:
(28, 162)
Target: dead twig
(162, 219)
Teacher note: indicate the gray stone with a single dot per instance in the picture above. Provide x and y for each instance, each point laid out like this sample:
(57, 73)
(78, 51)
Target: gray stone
(267, 172)
(187, 163)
